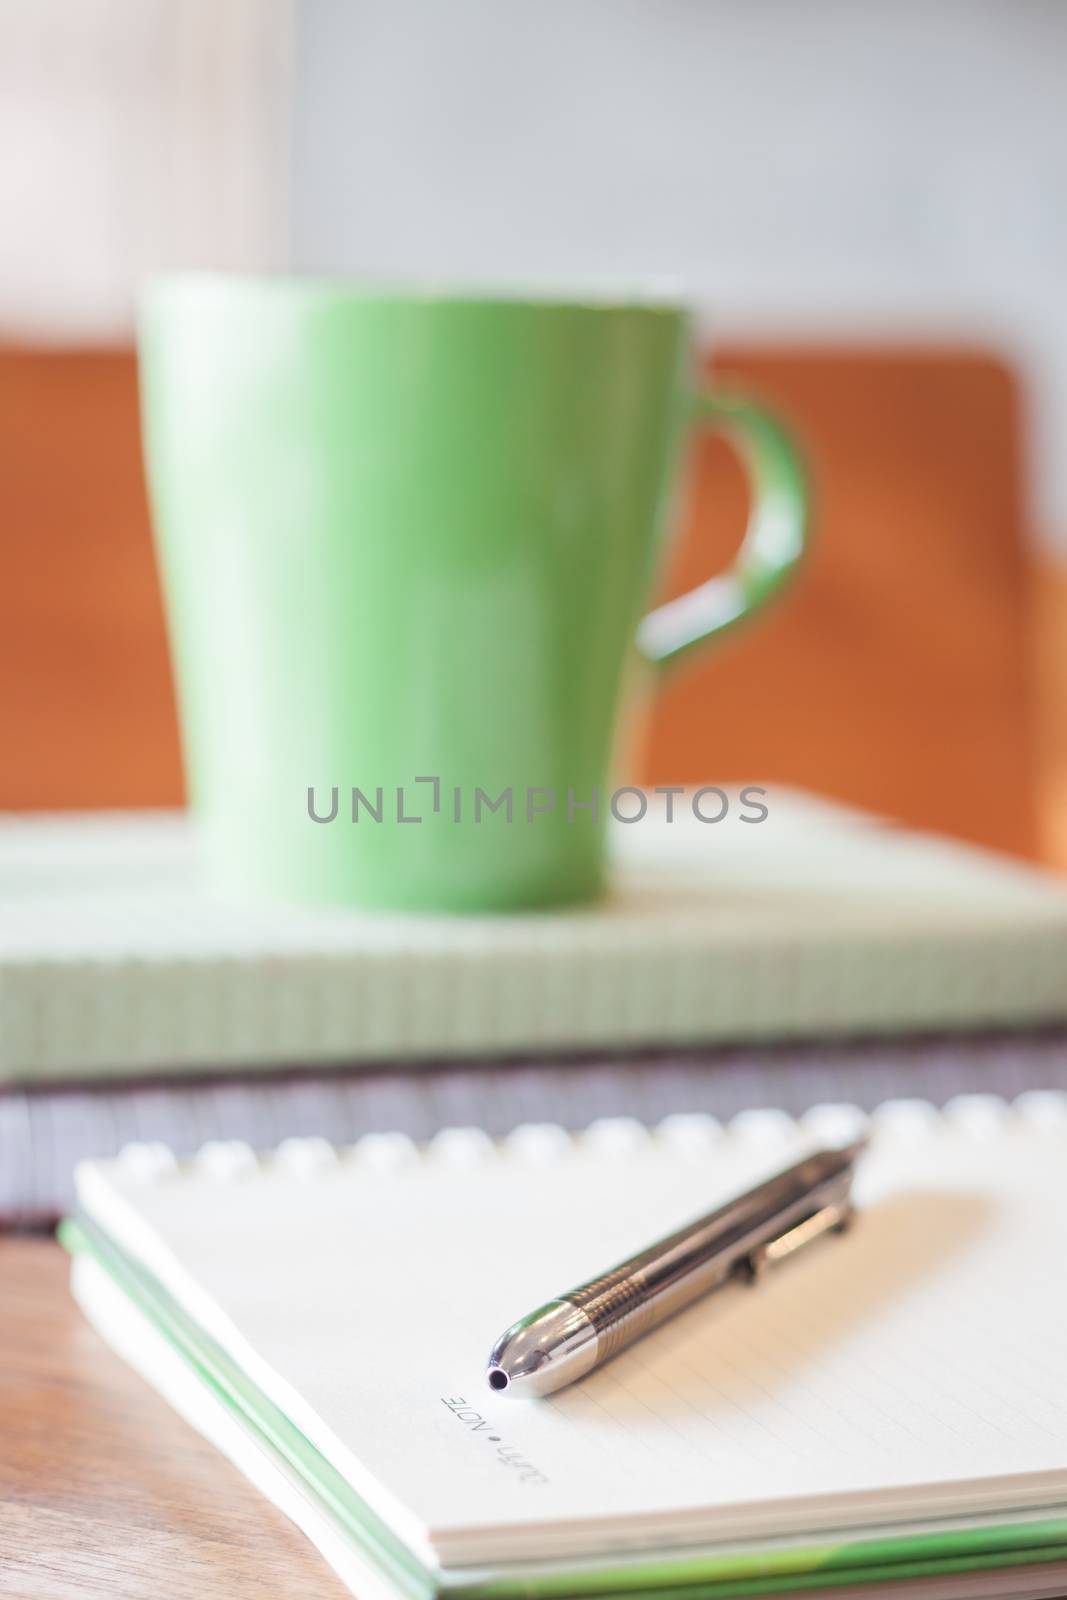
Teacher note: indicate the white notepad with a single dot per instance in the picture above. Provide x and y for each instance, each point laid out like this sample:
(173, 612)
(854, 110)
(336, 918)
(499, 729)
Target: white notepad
(912, 1373)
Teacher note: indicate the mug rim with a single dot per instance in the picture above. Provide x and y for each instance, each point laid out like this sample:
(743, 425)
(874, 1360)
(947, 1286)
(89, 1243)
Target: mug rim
(356, 290)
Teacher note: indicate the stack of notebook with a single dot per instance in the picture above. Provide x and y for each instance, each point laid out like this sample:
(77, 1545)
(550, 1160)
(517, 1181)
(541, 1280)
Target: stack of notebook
(886, 1414)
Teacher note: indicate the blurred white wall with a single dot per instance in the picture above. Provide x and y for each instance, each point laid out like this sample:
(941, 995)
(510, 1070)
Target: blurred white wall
(798, 167)
(135, 137)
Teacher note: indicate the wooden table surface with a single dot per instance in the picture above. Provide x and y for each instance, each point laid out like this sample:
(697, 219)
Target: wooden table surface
(103, 1490)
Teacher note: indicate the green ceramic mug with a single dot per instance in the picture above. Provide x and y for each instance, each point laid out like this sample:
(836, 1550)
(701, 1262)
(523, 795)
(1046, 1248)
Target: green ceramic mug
(407, 545)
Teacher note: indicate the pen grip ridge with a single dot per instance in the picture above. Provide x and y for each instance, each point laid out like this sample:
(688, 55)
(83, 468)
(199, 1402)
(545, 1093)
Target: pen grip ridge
(618, 1308)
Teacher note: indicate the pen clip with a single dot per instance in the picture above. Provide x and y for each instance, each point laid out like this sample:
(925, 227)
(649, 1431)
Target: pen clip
(832, 1217)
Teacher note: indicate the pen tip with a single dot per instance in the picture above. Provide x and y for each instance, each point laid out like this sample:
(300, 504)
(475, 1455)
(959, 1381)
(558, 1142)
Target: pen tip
(542, 1351)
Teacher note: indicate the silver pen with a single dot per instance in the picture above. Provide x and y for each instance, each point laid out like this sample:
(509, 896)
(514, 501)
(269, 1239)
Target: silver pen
(566, 1338)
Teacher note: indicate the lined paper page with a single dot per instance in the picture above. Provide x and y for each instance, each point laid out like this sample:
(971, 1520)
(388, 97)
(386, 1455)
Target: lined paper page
(913, 1367)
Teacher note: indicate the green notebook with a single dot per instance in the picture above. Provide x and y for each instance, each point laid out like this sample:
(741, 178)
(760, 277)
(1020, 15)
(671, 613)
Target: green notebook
(889, 1411)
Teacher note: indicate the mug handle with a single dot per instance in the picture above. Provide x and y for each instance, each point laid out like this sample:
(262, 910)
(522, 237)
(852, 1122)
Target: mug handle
(773, 543)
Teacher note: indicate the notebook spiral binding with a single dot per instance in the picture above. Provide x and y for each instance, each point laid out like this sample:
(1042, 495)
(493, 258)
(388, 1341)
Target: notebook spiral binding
(691, 1134)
